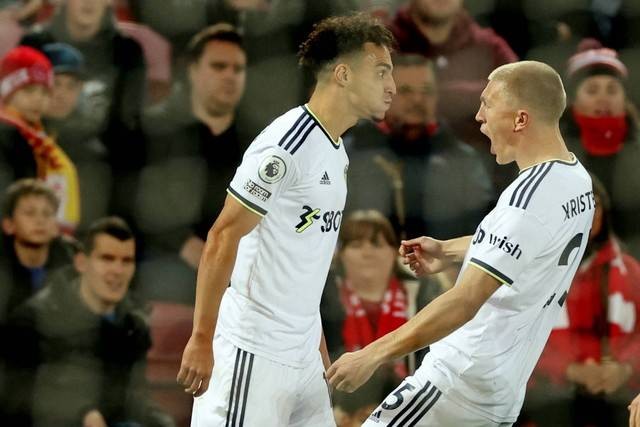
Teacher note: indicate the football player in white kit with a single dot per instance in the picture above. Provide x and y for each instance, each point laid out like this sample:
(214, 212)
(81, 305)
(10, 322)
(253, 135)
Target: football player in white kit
(487, 332)
(267, 256)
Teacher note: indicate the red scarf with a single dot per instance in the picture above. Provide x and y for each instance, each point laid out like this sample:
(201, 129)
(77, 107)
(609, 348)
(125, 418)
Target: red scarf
(602, 136)
(357, 330)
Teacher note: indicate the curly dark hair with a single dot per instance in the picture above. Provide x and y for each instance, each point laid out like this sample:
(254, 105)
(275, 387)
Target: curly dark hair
(341, 35)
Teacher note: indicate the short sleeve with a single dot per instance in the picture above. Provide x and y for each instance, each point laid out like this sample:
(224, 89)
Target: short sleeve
(265, 173)
(507, 243)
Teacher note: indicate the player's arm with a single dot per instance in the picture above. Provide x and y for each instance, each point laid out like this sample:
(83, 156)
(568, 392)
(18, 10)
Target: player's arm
(214, 273)
(442, 316)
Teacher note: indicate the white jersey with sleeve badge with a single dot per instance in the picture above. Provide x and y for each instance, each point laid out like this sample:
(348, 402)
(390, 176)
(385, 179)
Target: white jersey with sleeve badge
(294, 175)
(532, 242)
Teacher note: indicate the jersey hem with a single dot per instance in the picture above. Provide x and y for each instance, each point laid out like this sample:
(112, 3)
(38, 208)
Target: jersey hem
(247, 204)
(238, 343)
(491, 271)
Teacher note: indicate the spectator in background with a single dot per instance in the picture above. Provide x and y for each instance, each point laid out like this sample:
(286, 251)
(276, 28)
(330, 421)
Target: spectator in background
(26, 150)
(426, 180)
(114, 89)
(464, 54)
(601, 128)
(589, 368)
(273, 31)
(199, 150)
(31, 246)
(367, 295)
(366, 299)
(30, 249)
(78, 350)
(88, 153)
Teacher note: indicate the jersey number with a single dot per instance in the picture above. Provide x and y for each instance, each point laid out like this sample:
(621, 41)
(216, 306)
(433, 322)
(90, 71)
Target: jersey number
(398, 396)
(574, 243)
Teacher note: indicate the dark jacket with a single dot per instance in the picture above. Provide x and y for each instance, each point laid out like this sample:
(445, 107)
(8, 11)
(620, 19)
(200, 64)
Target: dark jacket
(446, 188)
(463, 62)
(16, 285)
(65, 360)
(16, 157)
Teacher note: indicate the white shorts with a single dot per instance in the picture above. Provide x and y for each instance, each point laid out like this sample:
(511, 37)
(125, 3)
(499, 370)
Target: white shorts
(251, 390)
(415, 403)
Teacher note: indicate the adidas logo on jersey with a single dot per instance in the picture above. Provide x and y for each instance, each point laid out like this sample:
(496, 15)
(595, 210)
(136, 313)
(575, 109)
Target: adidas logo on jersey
(325, 179)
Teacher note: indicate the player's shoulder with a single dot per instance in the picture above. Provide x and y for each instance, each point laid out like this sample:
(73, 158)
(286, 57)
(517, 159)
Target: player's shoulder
(545, 191)
(540, 185)
(289, 131)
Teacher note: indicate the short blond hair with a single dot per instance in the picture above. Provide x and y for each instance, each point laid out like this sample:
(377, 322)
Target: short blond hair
(533, 85)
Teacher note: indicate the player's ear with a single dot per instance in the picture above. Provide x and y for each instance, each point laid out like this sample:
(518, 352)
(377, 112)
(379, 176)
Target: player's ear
(342, 74)
(521, 120)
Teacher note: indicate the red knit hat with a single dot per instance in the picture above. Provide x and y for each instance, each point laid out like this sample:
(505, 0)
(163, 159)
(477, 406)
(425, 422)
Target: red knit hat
(21, 66)
(592, 59)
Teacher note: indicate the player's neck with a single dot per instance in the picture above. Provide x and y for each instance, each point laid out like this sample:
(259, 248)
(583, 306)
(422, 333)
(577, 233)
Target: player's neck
(542, 146)
(331, 111)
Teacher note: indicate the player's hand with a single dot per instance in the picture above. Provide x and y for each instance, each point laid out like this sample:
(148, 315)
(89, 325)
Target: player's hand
(614, 375)
(423, 255)
(634, 412)
(196, 366)
(351, 370)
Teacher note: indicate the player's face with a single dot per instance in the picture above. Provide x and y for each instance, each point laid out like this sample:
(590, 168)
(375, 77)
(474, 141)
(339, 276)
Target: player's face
(496, 117)
(373, 87)
(416, 99)
(107, 271)
(64, 96)
(31, 101)
(600, 96)
(437, 10)
(218, 78)
(33, 222)
(366, 259)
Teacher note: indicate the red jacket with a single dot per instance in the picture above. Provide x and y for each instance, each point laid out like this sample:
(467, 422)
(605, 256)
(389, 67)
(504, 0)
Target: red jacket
(464, 62)
(578, 335)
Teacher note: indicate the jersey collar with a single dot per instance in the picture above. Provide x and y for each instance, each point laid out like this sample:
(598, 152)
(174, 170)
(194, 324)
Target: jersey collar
(572, 162)
(336, 144)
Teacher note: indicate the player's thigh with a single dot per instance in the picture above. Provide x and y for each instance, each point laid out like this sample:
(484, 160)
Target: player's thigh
(245, 390)
(313, 407)
(415, 403)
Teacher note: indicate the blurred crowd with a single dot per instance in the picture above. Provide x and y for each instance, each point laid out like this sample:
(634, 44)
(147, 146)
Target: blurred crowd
(122, 122)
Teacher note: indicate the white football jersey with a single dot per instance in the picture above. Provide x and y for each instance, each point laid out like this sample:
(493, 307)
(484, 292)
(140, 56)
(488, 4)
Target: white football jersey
(294, 175)
(532, 242)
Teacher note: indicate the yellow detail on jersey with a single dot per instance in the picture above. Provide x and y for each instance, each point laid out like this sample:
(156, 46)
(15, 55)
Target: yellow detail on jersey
(244, 204)
(489, 273)
(309, 220)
